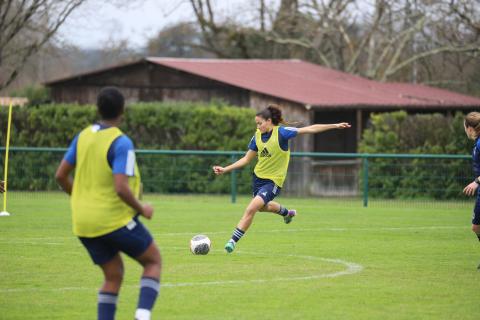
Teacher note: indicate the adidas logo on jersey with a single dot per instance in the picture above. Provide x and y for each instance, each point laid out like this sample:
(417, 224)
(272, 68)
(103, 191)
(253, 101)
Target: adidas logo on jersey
(265, 153)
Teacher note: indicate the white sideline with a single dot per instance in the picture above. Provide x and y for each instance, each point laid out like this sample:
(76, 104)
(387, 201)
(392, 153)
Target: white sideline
(156, 232)
(326, 229)
(351, 268)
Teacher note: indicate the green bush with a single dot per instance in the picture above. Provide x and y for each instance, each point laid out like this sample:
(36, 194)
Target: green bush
(36, 95)
(398, 132)
(151, 126)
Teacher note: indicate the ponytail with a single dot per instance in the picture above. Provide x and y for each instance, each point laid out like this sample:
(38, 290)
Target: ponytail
(274, 113)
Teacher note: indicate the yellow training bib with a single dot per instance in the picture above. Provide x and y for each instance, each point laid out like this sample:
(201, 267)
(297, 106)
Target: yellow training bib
(272, 160)
(96, 207)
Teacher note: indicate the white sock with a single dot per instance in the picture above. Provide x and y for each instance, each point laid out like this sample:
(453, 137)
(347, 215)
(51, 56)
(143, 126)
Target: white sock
(142, 314)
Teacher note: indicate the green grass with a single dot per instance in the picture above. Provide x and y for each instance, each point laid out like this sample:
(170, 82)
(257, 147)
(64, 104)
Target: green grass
(418, 262)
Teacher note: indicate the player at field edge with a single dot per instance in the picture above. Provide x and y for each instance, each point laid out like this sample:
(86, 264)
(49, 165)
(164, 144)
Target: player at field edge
(270, 146)
(105, 205)
(472, 129)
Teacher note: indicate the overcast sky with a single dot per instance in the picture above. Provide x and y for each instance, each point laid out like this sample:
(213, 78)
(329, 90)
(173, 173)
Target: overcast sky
(98, 22)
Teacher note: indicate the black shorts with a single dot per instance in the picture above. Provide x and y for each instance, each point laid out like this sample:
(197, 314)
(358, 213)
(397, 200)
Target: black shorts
(133, 239)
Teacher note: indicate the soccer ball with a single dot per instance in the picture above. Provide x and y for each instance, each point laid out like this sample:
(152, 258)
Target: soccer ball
(200, 244)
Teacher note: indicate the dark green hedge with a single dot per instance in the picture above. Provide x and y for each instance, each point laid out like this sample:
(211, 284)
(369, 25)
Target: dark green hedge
(151, 126)
(215, 127)
(398, 132)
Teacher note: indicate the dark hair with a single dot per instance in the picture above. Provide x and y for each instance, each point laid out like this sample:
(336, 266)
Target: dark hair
(110, 103)
(272, 112)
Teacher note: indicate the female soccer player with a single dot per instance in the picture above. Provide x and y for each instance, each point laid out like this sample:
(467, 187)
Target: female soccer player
(472, 129)
(270, 144)
(105, 206)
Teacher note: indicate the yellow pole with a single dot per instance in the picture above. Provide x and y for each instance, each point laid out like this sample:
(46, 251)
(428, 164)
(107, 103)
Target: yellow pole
(5, 169)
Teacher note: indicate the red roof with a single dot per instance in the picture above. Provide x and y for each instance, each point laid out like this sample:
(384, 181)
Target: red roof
(307, 83)
(311, 84)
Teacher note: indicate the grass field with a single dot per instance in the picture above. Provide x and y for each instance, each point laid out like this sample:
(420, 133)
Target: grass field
(332, 262)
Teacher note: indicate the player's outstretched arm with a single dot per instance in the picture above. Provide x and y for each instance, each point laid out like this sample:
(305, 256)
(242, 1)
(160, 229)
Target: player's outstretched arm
(317, 128)
(125, 193)
(63, 177)
(249, 156)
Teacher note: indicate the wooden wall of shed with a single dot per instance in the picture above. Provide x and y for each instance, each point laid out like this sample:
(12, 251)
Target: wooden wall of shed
(82, 94)
(146, 82)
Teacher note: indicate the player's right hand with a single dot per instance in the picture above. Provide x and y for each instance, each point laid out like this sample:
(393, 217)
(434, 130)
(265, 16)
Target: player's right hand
(147, 211)
(470, 189)
(218, 170)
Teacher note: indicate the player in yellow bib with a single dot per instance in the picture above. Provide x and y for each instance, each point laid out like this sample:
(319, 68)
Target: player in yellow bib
(270, 146)
(105, 206)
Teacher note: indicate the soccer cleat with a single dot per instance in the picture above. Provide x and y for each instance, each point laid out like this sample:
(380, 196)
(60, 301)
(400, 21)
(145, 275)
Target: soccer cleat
(230, 246)
(289, 216)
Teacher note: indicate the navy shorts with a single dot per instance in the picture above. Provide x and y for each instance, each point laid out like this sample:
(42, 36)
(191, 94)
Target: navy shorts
(133, 239)
(476, 211)
(265, 189)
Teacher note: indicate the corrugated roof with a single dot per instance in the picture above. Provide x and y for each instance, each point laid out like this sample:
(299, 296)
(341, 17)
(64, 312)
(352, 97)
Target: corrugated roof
(308, 84)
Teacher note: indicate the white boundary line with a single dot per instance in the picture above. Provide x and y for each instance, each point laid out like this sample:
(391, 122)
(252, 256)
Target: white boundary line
(335, 229)
(351, 268)
(172, 234)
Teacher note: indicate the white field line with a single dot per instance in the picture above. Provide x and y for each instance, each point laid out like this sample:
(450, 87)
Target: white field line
(10, 240)
(334, 229)
(36, 242)
(350, 268)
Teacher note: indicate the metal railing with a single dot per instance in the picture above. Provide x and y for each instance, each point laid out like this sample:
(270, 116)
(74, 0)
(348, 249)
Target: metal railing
(364, 169)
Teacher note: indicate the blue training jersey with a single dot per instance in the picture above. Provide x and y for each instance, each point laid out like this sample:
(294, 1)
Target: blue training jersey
(120, 156)
(476, 158)
(284, 134)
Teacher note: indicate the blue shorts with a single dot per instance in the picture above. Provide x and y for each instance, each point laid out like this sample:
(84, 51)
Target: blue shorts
(476, 211)
(265, 189)
(133, 239)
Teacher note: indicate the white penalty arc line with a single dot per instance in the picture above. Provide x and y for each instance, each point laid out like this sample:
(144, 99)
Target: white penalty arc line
(351, 268)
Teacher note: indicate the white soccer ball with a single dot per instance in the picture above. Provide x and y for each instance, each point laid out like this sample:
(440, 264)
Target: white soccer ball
(200, 244)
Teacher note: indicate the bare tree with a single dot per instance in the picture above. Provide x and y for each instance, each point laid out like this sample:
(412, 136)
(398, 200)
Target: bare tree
(25, 27)
(178, 40)
(379, 39)
(468, 13)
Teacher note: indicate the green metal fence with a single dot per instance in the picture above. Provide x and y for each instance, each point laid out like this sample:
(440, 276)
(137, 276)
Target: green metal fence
(334, 175)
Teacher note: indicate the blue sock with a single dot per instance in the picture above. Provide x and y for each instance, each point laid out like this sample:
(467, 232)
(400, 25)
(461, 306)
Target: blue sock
(149, 288)
(283, 211)
(107, 304)
(237, 234)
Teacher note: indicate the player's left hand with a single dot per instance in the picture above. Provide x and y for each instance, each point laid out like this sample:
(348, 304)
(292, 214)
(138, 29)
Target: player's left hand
(2, 186)
(342, 125)
(470, 189)
(147, 211)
